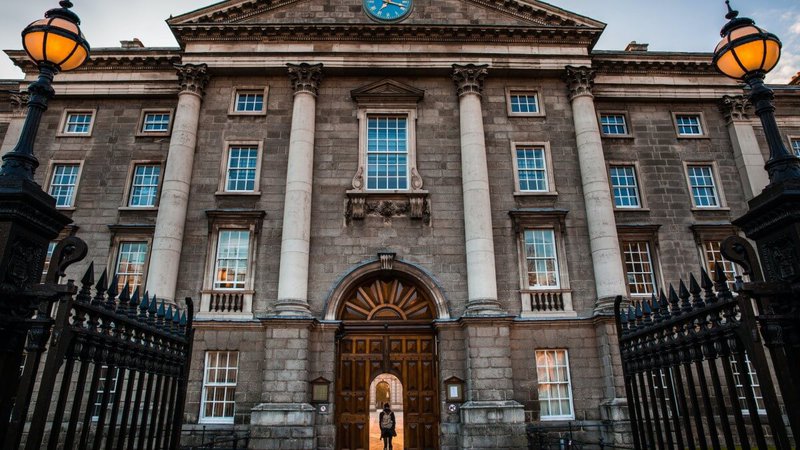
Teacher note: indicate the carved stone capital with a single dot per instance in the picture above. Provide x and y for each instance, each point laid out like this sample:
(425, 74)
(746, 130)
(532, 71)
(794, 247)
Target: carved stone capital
(735, 108)
(305, 77)
(580, 81)
(414, 205)
(19, 102)
(469, 78)
(193, 78)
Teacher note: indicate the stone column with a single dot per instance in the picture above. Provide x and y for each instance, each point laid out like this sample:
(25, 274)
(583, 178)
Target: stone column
(481, 277)
(293, 278)
(165, 257)
(746, 152)
(19, 107)
(609, 275)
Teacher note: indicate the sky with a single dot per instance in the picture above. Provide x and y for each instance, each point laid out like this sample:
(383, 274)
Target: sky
(667, 25)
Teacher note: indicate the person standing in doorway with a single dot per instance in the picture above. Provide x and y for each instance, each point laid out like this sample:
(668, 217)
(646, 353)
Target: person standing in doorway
(387, 424)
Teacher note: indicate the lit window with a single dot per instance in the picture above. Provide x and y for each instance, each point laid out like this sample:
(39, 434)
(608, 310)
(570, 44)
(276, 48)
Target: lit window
(625, 187)
(712, 252)
(639, 268)
(157, 122)
(49, 256)
(532, 169)
(63, 183)
(144, 186)
(242, 165)
(78, 123)
(101, 385)
(230, 269)
(555, 390)
(131, 260)
(796, 146)
(688, 125)
(540, 255)
(219, 387)
(754, 384)
(613, 124)
(387, 152)
(704, 190)
(522, 103)
(249, 102)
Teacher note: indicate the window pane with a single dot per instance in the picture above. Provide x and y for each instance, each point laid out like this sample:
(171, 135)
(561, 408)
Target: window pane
(131, 260)
(542, 262)
(242, 163)
(796, 146)
(249, 102)
(63, 182)
(144, 186)
(524, 103)
(639, 268)
(219, 386)
(754, 385)
(555, 391)
(78, 123)
(98, 397)
(625, 187)
(156, 122)
(613, 124)
(689, 125)
(387, 153)
(231, 263)
(704, 191)
(532, 169)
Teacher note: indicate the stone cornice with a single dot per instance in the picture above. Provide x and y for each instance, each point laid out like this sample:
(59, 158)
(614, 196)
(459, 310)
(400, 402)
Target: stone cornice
(112, 59)
(609, 63)
(290, 32)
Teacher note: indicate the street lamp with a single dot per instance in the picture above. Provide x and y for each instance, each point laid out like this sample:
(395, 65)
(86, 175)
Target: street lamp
(747, 52)
(55, 44)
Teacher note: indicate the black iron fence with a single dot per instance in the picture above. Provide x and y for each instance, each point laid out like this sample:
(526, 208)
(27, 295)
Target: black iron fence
(696, 373)
(115, 364)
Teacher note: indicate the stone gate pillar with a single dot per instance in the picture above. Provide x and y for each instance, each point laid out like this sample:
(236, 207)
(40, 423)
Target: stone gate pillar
(165, 257)
(746, 151)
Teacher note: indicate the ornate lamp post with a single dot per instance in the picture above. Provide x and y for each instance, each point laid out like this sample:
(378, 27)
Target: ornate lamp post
(28, 216)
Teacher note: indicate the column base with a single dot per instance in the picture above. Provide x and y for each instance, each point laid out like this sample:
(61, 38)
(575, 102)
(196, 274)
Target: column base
(604, 306)
(289, 307)
(493, 425)
(614, 412)
(484, 307)
(282, 425)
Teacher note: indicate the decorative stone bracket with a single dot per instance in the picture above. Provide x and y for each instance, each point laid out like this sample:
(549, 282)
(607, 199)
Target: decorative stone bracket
(415, 205)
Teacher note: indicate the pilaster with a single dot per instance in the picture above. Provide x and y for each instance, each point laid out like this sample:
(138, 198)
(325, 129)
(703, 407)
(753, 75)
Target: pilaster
(746, 151)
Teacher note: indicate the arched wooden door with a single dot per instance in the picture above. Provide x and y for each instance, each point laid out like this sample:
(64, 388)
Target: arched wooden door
(387, 328)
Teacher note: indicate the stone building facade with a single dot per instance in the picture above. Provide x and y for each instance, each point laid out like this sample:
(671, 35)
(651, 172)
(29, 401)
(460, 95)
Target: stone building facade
(454, 198)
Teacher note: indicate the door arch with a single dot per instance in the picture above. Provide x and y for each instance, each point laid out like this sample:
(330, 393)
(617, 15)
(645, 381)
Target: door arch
(387, 327)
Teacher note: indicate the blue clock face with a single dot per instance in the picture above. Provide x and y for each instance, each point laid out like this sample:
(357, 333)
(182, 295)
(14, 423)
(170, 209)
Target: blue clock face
(387, 10)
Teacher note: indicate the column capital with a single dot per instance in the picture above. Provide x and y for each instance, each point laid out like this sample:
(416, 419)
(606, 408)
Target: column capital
(305, 77)
(193, 78)
(469, 78)
(580, 81)
(735, 108)
(19, 102)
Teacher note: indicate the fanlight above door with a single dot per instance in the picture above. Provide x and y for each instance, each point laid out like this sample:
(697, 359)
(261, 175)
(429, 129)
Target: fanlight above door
(386, 300)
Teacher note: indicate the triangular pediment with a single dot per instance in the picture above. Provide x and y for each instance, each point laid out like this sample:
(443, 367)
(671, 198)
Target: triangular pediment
(530, 13)
(387, 90)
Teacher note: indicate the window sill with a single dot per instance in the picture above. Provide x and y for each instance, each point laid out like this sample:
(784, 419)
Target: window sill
(717, 209)
(526, 115)
(74, 135)
(535, 194)
(154, 134)
(66, 208)
(388, 204)
(215, 421)
(248, 113)
(704, 136)
(617, 136)
(142, 209)
(237, 194)
(644, 210)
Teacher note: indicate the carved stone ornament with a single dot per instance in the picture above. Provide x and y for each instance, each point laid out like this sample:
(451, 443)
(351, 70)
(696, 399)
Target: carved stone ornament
(780, 259)
(19, 102)
(469, 78)
(358, 179)
(388, 206)
(735, 107)
(387, 260)
(24, 266)
(580, 81)
(305, 77)
(193, 78)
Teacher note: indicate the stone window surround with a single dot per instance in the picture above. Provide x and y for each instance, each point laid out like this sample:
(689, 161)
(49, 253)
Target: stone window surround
(792, 138)
(535, 90)
(49, 179)
(63, 123)
(130, 233)
(569, 384)
(129, 184)
(201, 415)
(705, 232)
(551, 184)
(248, 90)
(628, 135)
(140, 127)
(643, 206)
(545, 218)
(703, 127)
(642, 233)
(414, 180)
(235, 219)
(223, 177)
(723, 204)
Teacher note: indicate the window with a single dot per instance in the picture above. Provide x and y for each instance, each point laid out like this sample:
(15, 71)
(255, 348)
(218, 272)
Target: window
(689, 125)
(249, 101)
(625, 187)
(78, 123)
(49, 256)
(703, 186)
(230, 270)
(754, 385)
(242, 163)
(101, 385)
(639, 268)
(613, 124)
(155, 122)
(524, 102)
(144, 185)
(795, 142)
(130, 266)
(531, 169)
(387, 152)
(555, 389)
(219, 387)
(711, 250)
(540, 255)
(63, 184)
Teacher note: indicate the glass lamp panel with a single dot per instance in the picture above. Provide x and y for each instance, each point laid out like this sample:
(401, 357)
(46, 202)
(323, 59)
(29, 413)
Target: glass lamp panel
(66, 25)
(773, 55)
(34, 44)
(58, 48)
(727, 64)
(751, 54)
(742, 32)
(76, 60)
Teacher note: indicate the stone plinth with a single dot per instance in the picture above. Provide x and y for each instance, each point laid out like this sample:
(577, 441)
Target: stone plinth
(493, 425)
(282, 425)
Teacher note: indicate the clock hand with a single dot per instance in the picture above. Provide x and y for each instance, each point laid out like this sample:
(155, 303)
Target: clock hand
(385, 4)
(390, 2)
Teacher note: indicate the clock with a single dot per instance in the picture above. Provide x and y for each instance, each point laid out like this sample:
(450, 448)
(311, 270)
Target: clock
(387, 10)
